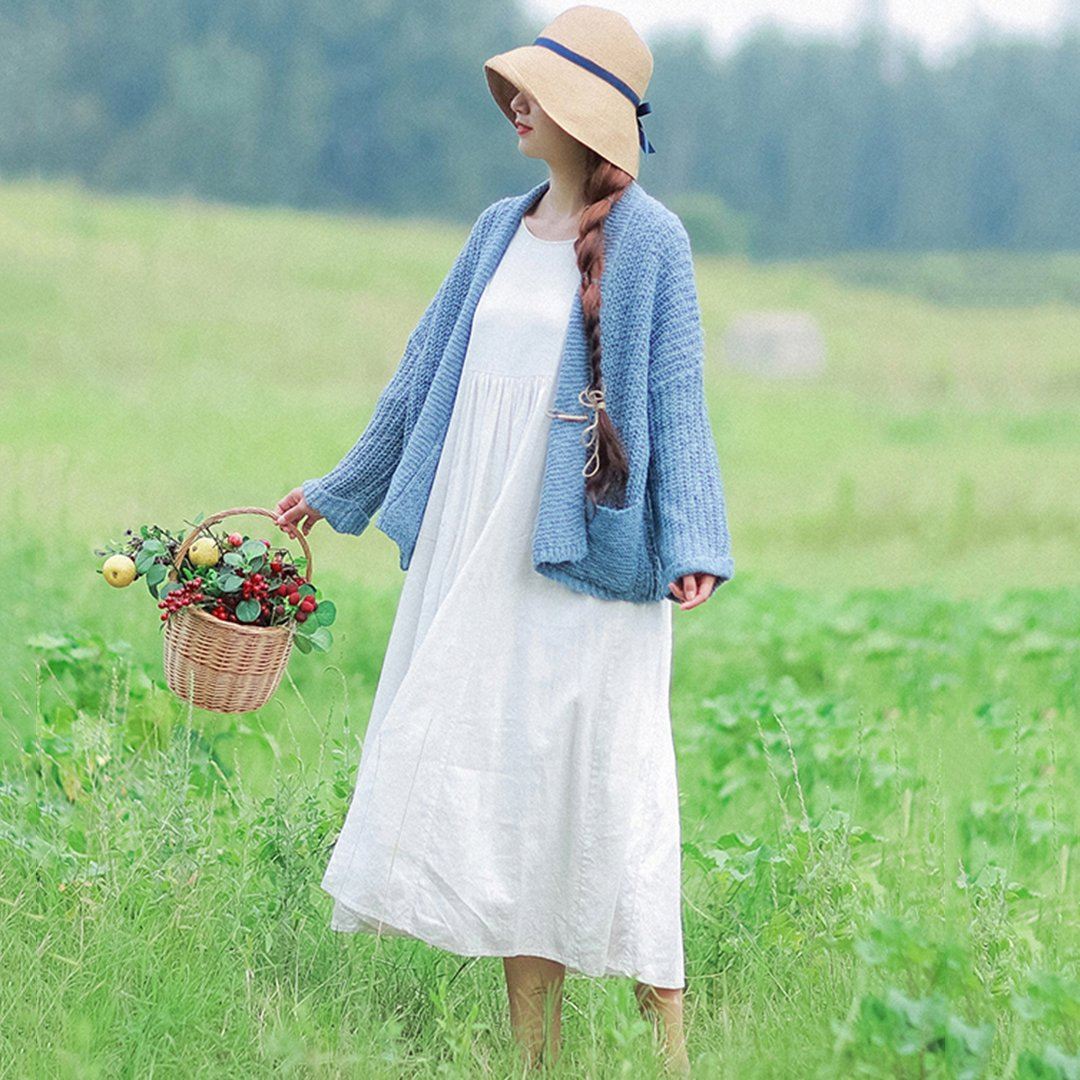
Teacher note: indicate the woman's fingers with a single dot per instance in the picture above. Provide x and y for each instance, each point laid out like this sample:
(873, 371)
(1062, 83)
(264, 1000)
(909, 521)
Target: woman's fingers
(288, 502)
(294, 514)
(697, 588)
(291, 509)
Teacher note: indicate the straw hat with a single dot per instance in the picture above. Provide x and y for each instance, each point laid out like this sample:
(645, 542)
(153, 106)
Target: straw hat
(588, 69)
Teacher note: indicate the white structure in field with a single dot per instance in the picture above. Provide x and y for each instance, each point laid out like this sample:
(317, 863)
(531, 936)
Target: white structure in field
(775, 343)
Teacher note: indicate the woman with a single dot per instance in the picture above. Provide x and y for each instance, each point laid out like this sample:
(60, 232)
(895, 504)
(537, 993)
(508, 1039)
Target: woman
(549, 487)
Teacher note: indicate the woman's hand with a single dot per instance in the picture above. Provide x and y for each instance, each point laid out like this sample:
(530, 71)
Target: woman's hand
(293, 509)
(693, 589)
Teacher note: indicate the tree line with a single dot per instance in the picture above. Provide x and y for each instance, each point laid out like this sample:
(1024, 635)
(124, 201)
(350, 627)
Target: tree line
(813, 145)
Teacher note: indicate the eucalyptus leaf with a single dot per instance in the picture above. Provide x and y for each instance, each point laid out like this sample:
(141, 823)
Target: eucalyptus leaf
(303, 643)
(306, 590)
(322, 639)
(233, 559)
(230, 583)
(156, 574)
(326, 613)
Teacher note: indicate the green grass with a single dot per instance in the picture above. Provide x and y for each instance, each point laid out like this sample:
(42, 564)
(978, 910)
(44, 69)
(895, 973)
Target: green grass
(967, 278)
(875, 720)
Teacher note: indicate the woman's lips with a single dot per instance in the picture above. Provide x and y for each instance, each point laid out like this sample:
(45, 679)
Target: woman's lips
(523, 129)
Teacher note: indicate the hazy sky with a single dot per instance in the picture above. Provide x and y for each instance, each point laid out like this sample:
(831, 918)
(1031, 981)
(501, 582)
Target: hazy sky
(937, 24)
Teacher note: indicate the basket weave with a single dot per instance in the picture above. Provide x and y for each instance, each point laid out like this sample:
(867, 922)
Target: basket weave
(222, 666)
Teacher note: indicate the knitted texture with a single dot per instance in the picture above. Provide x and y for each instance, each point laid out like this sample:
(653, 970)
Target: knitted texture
(353, 490)
(673, 520)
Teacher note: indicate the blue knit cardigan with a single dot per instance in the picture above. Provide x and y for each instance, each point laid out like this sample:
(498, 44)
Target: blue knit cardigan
(673, 520)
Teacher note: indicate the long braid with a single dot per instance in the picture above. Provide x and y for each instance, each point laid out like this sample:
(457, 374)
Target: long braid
(604, 185)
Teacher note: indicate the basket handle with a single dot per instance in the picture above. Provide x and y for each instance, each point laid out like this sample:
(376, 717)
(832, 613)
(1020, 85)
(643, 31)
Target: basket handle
(213, 519)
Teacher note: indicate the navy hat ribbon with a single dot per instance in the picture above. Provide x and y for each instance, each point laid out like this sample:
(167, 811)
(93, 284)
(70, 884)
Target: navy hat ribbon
(642, 107)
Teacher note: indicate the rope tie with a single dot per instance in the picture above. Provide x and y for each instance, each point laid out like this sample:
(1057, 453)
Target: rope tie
(592, 399)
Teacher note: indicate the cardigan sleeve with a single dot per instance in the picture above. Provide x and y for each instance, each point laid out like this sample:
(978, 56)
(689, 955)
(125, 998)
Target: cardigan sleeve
(350, 493)
(684, 478)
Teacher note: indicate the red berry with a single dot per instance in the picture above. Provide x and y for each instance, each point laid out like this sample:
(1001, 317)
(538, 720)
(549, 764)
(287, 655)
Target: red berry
(235, 539)
(308, 603)
(294, 599)
(276, 566)
(267, 543)
(301, 615)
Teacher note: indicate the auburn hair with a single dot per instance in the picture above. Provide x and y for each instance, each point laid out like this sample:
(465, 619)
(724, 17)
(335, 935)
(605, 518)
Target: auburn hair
(604, 186)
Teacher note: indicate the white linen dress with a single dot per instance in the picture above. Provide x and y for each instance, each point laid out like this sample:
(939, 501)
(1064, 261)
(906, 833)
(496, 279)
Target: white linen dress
(517, 790)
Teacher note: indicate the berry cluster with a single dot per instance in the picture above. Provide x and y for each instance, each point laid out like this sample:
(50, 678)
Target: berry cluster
(304, 605)
(255, 587)
(188, 593)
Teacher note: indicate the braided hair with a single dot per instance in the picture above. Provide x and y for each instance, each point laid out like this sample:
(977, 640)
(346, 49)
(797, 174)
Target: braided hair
(604, 185)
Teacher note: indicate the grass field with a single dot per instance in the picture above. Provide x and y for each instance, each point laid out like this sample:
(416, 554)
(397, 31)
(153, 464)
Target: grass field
(875, 719)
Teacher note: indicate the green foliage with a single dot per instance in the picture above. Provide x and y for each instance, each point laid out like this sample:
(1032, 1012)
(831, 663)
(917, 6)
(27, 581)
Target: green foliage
(714, 228)
(875, 721)
(817, 145)
(898, 1036)
(841, 895)
(965, 278)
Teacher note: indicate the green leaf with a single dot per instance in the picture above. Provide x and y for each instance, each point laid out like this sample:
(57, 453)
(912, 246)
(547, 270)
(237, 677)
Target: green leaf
(233, 559)
(303, 643)
(250, 549)
(247, 611)
(156, 574)
(306, 590)
(325, 613)
(144, 560)
(307, 627)
(322, 639)
(48, 641)
(230, 583)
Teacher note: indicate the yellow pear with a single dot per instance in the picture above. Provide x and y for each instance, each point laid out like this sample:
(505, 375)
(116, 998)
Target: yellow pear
(204, 552)
(119, 571)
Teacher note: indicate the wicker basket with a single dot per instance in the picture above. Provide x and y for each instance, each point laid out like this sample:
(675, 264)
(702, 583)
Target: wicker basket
(222, 666)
